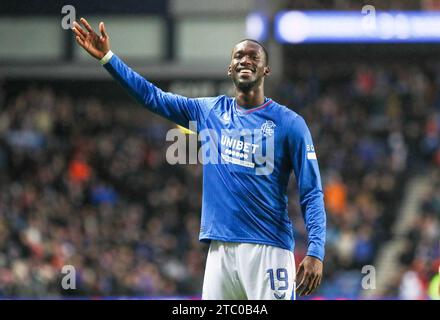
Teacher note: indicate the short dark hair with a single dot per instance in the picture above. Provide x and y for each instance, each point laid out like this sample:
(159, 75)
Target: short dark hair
(261, 45)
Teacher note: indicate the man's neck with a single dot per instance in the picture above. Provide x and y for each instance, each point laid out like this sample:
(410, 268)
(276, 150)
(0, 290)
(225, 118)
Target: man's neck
(249, 99)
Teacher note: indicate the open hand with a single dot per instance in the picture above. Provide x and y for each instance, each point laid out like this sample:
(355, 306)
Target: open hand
(96, 45)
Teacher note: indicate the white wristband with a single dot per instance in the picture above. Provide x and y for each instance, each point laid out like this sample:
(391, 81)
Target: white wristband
(106, 58)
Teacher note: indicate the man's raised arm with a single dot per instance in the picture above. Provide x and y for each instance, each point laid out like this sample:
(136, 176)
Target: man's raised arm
(174, 107)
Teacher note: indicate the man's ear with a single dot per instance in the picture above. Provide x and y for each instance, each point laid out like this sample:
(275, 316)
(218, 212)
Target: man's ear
(267, 70)
(229, 70)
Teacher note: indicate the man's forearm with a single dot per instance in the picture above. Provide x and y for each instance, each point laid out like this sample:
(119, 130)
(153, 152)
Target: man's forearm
(170, 106)
(137, 86)
(315, 220)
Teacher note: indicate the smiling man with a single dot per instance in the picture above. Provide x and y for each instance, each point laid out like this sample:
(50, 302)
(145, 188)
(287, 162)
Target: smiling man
(244, 210)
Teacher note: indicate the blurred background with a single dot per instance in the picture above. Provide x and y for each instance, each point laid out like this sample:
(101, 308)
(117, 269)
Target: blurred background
(83, 175)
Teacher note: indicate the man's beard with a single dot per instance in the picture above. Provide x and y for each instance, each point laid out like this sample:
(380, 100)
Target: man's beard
(246, 86)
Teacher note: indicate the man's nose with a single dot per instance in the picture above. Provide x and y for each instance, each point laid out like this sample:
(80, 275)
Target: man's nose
(245, 60)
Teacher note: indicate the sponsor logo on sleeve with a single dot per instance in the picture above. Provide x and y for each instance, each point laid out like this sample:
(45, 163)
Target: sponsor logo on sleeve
(311, 155)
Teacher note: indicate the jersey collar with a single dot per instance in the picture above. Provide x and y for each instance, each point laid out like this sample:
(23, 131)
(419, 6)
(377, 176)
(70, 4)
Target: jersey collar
(241, 110)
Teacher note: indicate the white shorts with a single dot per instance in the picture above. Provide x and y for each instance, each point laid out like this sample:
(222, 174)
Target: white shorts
(240, 271)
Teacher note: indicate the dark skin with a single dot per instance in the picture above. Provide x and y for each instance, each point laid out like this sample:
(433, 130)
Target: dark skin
(248, 69)
(309, 275)
(96, 45)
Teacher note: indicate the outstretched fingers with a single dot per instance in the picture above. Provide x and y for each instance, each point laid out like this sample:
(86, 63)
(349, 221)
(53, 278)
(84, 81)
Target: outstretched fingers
(86, 25)
(102, 30)
(78, 27)
(78, 31)
(80, 41)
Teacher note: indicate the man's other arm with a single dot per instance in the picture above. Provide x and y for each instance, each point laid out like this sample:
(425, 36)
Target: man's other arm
(305, 166)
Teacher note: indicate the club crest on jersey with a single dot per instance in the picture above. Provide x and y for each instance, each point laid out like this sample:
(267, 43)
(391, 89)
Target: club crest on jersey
(268, 128)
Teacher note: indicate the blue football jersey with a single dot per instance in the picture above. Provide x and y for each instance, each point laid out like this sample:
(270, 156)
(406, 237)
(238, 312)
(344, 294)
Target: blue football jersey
(249, 155)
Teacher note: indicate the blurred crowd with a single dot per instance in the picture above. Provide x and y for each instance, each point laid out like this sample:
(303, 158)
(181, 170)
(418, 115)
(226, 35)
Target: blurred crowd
(87, 185)
(419, 277)
(85, 182)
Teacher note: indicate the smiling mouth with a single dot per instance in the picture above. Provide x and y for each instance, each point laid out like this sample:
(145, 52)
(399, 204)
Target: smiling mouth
(245, 71)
